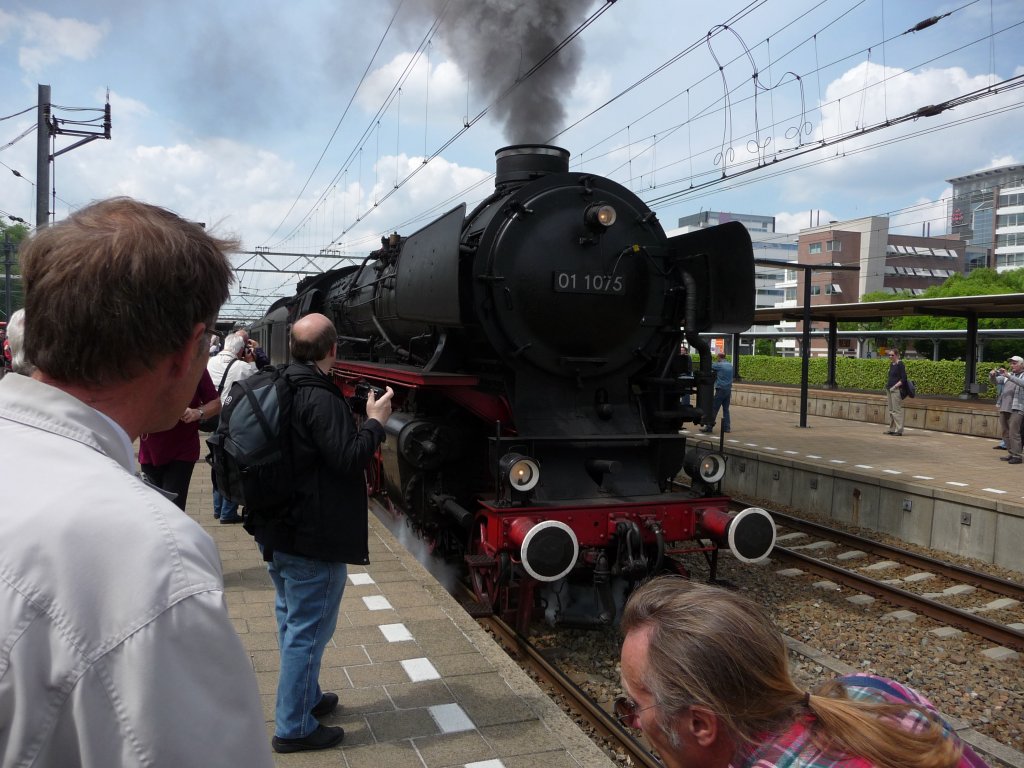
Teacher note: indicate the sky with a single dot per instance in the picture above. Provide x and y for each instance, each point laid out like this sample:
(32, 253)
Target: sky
(310, 129)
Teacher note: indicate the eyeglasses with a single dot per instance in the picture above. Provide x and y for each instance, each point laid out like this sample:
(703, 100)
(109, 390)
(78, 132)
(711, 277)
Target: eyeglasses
(626, 711)
(213, 333)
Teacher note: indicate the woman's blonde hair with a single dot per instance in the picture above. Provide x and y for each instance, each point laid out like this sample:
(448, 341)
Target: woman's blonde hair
(719, 650)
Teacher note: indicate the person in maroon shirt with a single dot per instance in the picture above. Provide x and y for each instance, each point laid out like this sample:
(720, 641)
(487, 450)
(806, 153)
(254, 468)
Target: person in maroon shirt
(168, 457)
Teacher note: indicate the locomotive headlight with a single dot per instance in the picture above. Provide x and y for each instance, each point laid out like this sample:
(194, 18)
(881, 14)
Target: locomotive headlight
(600, 216)
(706, 466)
(520, 472)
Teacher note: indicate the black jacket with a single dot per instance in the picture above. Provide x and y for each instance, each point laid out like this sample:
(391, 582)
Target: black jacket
(328, 519)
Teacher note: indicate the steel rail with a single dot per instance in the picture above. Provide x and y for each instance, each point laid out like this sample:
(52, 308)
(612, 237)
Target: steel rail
(969, 622)
(974, 578)
(605, 725)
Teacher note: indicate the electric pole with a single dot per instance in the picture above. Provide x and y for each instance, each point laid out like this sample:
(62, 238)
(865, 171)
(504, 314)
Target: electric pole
(49, 126)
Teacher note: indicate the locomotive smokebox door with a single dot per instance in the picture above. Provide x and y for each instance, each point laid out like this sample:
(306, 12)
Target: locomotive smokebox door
(721, 260)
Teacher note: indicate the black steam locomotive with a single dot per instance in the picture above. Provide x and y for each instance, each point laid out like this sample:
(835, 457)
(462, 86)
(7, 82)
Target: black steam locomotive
(534, 349)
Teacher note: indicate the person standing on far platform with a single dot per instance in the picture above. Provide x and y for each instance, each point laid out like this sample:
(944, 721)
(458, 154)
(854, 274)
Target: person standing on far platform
(117, 647)
(896, 388)
(1015, 378)
(1004, 403)
(723, 393)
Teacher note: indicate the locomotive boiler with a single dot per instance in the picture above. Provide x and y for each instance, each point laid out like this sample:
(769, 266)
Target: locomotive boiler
(533, 344)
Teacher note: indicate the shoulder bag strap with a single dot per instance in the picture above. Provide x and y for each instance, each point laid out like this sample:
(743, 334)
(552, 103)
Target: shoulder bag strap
(220, 387)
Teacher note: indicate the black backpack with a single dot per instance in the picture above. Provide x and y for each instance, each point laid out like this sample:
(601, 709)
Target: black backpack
(251, 449)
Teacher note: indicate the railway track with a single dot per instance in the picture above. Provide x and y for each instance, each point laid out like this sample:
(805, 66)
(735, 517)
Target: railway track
(967, 620)
(603, 726)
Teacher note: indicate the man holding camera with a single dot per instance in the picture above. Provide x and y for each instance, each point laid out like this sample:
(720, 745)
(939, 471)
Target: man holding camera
(308, 545)
(1013, 379)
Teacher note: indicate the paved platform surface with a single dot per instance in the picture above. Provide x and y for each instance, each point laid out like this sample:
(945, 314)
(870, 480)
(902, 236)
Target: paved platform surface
(421, 684)
(941, 460)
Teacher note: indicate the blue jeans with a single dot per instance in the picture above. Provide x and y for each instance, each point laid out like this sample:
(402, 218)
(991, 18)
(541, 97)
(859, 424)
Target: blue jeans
(223, 508)
(308, 598)
(722, 398)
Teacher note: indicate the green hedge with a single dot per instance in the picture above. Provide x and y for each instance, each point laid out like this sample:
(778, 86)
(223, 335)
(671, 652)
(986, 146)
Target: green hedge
(943, 377)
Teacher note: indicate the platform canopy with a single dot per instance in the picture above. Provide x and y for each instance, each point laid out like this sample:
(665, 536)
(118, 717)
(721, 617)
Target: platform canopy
(990, 306)
(971, 308)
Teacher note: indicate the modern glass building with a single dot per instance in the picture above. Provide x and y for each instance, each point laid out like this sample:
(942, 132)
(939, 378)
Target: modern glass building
(987, 211)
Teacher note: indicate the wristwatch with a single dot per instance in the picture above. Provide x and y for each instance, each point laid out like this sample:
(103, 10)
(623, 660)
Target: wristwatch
(201, 412)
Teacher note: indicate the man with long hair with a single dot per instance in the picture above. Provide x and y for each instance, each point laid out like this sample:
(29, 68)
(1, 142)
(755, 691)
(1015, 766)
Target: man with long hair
(706, 676)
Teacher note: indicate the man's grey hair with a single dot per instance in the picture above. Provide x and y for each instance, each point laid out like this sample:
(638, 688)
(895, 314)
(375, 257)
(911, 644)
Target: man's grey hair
(234, 344)
(16, 337)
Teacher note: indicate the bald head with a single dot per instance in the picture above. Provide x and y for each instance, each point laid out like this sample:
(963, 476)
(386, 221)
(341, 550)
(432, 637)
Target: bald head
(313, 339)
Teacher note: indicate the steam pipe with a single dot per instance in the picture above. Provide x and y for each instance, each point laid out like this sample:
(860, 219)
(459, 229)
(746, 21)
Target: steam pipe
(453, 509)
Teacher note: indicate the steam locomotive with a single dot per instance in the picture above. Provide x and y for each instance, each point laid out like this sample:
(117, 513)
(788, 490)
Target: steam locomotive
(534, 348)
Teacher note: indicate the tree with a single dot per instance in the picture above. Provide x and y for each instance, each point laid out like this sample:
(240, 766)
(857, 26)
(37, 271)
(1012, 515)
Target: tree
(980, 282)
(10, 284)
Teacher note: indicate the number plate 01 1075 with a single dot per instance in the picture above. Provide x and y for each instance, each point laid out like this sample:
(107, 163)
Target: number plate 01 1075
(586, 282)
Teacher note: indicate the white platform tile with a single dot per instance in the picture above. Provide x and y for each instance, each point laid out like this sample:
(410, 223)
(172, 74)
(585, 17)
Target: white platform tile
(361, 578)
(395, 633)
(376, 603)
(451, 718)
(486, 764)
(419, 670)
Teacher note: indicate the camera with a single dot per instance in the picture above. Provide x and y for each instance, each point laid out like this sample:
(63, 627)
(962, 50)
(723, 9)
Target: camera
(361, 394)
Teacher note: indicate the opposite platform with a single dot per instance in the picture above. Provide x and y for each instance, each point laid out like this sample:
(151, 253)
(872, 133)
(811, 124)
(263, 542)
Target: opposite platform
(422, 685)
(941, 490)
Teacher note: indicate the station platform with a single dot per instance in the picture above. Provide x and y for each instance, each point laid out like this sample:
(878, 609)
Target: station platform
(944, 490)
(422, 685)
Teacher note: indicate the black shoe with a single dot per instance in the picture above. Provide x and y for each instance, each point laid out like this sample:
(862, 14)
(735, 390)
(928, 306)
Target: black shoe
(1005, 458)
(230, 520)
(324, 737)
(327, 704)
(705, 430)
(998, 447)
(896, 434)
(727, 430)
(1015, 460)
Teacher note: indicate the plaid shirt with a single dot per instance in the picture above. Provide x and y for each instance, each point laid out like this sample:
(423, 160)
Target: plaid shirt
(794, 748)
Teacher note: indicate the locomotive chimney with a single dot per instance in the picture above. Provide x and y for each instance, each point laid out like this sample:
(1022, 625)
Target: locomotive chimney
(520, 163)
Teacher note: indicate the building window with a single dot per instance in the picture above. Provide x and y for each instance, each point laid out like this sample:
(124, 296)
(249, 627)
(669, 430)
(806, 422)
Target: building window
(814, 248)
(815, 290)
(833, 288)
(834, 245)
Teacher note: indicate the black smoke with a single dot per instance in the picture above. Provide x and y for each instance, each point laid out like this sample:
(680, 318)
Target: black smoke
(496, 42)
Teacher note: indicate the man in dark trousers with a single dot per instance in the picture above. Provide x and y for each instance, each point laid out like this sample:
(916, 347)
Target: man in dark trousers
(308, 547)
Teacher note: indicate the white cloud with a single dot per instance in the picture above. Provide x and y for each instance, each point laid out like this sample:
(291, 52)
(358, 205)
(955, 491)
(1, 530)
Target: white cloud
(46, 39)
(792, 223)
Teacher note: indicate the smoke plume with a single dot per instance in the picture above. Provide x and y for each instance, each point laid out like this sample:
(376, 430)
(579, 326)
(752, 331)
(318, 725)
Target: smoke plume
(495, 42)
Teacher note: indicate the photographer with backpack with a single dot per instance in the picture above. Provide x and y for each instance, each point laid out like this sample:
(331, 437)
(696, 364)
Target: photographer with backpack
(308, 542)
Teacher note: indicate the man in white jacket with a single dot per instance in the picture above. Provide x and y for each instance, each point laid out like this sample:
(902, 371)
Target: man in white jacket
(233, 363)
(115, 644)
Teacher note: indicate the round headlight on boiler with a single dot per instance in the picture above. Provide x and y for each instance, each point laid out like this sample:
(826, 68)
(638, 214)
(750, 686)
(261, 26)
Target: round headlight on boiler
(600, 216)
(704, 465)
(520, 472)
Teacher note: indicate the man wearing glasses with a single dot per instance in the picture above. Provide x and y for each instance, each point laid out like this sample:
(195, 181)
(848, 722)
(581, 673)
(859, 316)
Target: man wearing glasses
(118, 648)
(707, 679)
